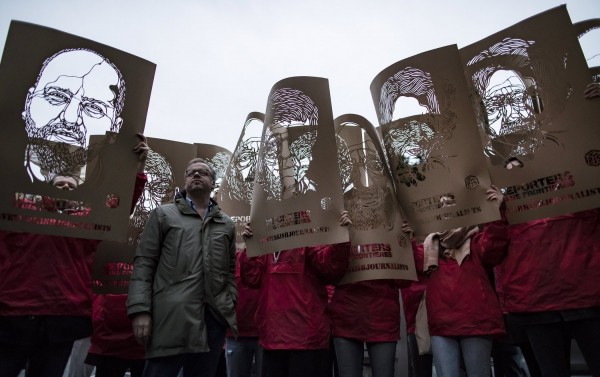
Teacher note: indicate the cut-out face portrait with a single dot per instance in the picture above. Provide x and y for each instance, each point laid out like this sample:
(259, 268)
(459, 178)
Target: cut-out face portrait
(219, 163)
(366, 192)
(78, 93)
(243, 163)
(287, 149)
(409, 102)
(509, 80)
(159, 189)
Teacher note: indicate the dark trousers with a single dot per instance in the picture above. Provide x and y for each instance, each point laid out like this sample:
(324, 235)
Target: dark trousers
(242, 354)
(418, 365)
(551, 344)
(39, 360)
(295, 363)
(116, 367)
(39, 344)
(202, 364)
(508, 360)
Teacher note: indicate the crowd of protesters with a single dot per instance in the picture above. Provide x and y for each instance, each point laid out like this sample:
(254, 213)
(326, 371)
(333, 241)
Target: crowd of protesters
(528, 288)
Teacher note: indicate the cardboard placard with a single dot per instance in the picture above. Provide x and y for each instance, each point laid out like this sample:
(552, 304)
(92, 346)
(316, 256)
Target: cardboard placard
(57, 90)
(540, 135)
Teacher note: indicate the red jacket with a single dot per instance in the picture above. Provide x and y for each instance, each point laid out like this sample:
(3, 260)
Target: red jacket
(552, 264)
(292, 301)
(246, 306)
(460, 298)
(48, 275)
(113, 335)
(368, 311)
(411, 298)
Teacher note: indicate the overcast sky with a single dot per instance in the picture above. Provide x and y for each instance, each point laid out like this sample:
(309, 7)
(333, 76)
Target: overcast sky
(218, 59)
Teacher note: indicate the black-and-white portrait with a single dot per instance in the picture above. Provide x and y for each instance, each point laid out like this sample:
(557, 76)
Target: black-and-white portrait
(516, 85)
(159, 189)
(77, 93)
(288, 143)
(419, 126)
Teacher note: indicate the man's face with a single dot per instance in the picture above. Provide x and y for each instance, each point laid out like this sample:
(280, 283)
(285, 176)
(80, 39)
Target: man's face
(74, 98)
(198, 178)
(65, 183)
(506, 102)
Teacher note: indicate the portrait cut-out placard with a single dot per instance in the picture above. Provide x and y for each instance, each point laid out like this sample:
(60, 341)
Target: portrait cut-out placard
(380, 250)
(540, 135)
(430, 136)
(56, 94)
(297, 198)
(235, 194)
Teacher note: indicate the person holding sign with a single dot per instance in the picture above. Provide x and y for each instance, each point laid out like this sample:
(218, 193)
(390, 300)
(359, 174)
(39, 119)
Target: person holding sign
(45, 289)
(366, 312)
(293, 326)
(462, 308)
(549, 284)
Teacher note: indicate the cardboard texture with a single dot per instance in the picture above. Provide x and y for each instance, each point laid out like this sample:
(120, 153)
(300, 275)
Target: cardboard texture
(430, 135)
(380, 250)
(165, 168)
(297, 199)
(235, 194)
(540, 135)
(57, 90)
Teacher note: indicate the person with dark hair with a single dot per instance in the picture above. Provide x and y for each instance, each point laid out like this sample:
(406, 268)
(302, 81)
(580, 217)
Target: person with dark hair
(182, 292)
(46, 289)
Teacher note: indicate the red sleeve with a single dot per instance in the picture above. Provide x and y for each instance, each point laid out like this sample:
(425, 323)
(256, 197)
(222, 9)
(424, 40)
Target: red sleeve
(251, 269)
(330, 262)
(418, 255)
(492, 242)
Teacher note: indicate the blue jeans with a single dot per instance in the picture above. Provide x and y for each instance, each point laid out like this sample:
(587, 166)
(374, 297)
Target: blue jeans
(202, 364)
(476, 353)
(349, 354)
(240, 353)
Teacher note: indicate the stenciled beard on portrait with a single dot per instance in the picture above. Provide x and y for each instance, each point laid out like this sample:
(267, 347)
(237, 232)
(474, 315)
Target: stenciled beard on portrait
(50, 159)
(58, 148)
(369, 207)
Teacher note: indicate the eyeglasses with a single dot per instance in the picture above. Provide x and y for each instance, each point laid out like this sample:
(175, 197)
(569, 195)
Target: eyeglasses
(201, 172)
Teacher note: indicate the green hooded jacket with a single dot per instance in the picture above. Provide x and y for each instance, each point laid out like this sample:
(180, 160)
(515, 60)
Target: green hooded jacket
(182, 264)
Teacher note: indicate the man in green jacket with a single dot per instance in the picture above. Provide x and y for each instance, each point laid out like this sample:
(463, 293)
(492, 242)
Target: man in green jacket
(182, 292)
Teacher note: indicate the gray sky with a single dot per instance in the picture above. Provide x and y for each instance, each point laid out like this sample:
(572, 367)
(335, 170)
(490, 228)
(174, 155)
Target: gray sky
(217, 60)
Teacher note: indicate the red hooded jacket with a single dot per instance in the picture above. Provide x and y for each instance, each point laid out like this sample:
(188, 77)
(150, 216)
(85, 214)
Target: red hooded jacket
(552, 264)
(48, 275)
(368, 311)
(292, 302)
(460, 298)
(113, 335)
(246, 306)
